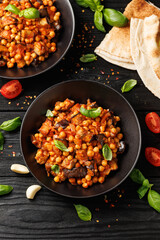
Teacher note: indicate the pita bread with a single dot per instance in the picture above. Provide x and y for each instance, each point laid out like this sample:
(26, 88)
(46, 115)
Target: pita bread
(116, 44)
(146, 52)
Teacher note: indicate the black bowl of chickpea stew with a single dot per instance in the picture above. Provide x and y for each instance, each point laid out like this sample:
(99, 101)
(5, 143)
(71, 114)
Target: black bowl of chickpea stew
(34, 36)
(80, 138)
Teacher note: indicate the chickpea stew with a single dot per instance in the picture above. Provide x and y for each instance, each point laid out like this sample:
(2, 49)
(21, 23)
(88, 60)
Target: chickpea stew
(25, 41)
(74, 146)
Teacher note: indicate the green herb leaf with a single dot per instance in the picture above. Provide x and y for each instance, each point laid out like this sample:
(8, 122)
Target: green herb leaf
(114, 18)
(83, 212)
(12, 8)
(142, 191)
(88, 58)
(98, 21)
(93, 4)
(128, 85)
(49, 113)
(137, 176)
(11, 125)
(60, 146)
(154, 200)
(30, 13)
(144, 188)
(81, 3)
(100, 8)
(55, 168)
(91, 113)
(1, 141)
(107, 152)
(5, 189)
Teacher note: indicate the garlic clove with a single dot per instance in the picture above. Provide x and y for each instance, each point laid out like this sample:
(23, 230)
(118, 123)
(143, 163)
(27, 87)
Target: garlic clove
(32, 190)
(18, 168)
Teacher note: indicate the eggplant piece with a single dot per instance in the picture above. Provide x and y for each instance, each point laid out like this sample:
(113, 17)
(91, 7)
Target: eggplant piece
(44, 21)
(63, 123)
(122, 147)
(2, 63)
(75, 172)
(99, 138)
(43, 12)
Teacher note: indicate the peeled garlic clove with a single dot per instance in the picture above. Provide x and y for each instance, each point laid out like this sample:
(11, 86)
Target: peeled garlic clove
(18, 168)
(32, 190)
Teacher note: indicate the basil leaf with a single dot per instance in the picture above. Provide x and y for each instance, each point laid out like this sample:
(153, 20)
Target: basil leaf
(142, 191)
(107, 152)
(128, 85)
(11, 125)
(88, 58)
(1, 141)
(49, 113)
(60, 146)
(93, 4)
(81, 3)
(30, 13)
(114, 18)
(5, 189)
(147, 184)
(91, 113)
(98, 21)
(137, 176)
(154, 200)
(12, 8)
(100, 8)
(55, 168)
(83, 212)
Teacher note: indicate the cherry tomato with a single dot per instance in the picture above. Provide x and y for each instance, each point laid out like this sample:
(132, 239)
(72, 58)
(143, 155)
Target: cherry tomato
(11, 89)
(153, 156)
(153, 122)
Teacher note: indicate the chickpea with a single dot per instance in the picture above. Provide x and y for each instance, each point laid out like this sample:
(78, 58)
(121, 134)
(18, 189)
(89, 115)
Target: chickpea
(120, 136)
(85, 185)
(84, 180)
(79, 181)
(95, 179)
(53, 49)
(101, 179)
(88, 177)
(53, 8)
(56, 179)
(34, 55)
(101, 168)
(71, 138)
(70, 157)
(96, 149)
(84, 146)
(62, 134)
(52, 34)
(3, 42)
(65, 154)
(58, 160)
(70, 149)
(26, 58)
(77, 146)
(10, 64)
(112, 146)
(56, 107)
(90, 153)
(17, 56)
(113, 130)
(7, 28)
(104, 163)
(102, 128)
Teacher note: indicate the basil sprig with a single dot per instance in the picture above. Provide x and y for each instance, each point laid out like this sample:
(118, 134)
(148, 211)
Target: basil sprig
(49, 113)
(88, 58)
(153, 196)
(55, 168)
(1, 141)
(98, 21)
(29, 13)
(60, 145)
(83, 212)
(128, 85)
(11, 125)
(107, 152)
(91, 113)
(5, 189)
(154, 200)
(82, 3)
(114, 18)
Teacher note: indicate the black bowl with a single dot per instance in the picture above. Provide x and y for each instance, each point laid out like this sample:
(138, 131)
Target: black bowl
(80, 91)
(64, 42)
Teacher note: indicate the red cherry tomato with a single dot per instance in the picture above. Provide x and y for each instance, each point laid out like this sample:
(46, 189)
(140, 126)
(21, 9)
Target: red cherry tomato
(11, 89)
(153, 122)
(153, 156)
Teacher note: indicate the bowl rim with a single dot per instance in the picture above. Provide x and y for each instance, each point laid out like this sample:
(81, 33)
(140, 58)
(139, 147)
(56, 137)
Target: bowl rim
(71, 39)
(138, 125)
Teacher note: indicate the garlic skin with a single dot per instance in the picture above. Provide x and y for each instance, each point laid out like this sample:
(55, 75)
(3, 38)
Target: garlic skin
(18, 168)
(32, 190)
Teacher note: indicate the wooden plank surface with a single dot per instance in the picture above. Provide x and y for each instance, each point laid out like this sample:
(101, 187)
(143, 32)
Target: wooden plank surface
(50, 216)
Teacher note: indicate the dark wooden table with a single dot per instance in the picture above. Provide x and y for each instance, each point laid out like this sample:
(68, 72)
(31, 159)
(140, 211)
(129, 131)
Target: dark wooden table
(50, 216)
